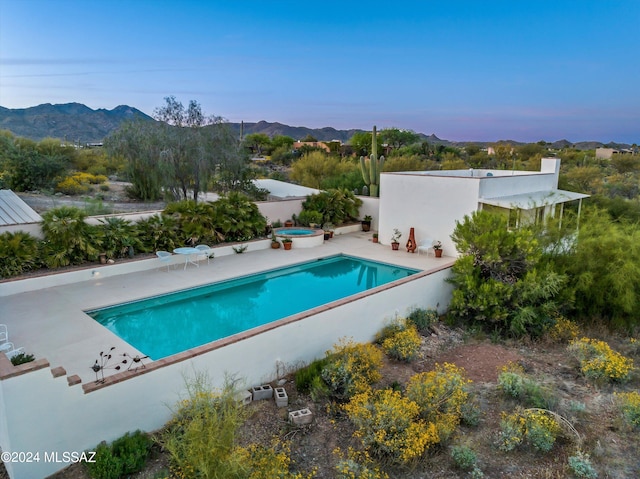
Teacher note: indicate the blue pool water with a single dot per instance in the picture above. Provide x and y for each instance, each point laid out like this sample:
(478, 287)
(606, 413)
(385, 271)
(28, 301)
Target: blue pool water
(295, 231)
(164, 325)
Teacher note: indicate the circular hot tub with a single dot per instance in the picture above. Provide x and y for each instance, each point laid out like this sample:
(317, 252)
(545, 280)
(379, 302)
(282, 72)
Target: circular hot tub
(302, 237)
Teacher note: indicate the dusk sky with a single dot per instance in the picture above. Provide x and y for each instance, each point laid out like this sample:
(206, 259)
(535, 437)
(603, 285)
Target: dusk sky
(463, 70)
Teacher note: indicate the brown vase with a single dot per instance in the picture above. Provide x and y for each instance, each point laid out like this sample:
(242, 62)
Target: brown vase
(287, 245)
(288, 224)
(395, 246)
(438, 253)
(411, 243)
(375, 239)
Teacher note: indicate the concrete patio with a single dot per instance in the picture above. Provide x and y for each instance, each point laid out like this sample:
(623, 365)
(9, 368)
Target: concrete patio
(51, 324)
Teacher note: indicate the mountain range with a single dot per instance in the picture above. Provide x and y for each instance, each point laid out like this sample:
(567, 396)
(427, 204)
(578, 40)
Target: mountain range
(80, 124)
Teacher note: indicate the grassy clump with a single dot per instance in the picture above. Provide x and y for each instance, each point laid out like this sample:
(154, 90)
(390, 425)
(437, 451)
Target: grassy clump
(515, 383)
(423, 318)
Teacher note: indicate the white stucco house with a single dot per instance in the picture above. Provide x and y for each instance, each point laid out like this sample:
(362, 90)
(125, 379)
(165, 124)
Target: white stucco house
(433, 201)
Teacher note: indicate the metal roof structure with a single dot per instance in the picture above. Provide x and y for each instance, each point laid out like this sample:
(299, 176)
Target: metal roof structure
(14, 211)
(532, 200)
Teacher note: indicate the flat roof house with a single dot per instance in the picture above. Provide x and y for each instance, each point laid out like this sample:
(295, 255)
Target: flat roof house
(433, 201)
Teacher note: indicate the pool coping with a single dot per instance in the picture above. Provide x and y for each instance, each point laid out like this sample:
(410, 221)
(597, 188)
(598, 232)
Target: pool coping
(220, 343)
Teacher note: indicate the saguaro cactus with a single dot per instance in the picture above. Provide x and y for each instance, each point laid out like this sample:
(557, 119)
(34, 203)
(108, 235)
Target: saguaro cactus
(372, 167)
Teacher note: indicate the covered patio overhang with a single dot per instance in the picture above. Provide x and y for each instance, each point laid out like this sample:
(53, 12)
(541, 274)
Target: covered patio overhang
(535, 200)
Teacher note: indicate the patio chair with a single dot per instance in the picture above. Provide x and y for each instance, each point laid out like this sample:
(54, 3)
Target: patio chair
(4, 333)
(164, 257)
(205, 251)
(426, 246)
(10, 351)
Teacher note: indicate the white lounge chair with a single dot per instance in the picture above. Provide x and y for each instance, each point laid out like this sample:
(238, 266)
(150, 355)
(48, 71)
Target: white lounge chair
(10, 350)
(205, 251)
(4, 333)
(426, 246)
(164, 257)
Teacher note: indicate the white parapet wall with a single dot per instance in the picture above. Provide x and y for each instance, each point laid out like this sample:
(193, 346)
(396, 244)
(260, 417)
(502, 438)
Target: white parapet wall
(72, 417)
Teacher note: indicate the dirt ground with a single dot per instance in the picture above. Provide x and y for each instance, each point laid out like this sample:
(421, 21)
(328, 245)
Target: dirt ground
(614, 449)
(115, 200)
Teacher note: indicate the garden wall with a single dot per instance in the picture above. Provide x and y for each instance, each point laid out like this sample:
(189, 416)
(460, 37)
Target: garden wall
(55, 415)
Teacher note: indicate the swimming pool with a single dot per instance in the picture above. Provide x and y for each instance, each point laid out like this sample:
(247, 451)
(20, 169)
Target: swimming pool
(161, 326)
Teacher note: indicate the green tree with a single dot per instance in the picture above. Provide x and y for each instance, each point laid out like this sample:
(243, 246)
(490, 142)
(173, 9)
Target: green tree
(604, 269)
(258, 143)
(500, 281)
(397, 138)
(316, 167)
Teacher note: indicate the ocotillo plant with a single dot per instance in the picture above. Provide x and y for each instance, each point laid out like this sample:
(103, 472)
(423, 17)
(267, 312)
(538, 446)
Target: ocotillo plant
(371, 169)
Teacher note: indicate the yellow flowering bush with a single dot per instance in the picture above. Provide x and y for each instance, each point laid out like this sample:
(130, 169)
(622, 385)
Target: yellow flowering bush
(404, 345)
(351, 368)
(260, 462)
(536, 427)
(629, 404)
(440, 395)
(389, 425)
(598, 362)
(78, 183)
(564, 330)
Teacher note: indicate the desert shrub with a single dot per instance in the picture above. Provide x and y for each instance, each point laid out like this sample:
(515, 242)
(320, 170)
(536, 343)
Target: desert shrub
(563, 330)
(356, 465)
(22, 358)
(71, 186)
(126, 455)
(351, 368)
(307, 217)
(535, 427)
(599, 363)
(18, 253)
(515, 383)
(104, 188)
(304, 377)
(237, 218)
(404, 345)
(201, 433)
(389, 426)
(581, 466)
(440, 395)
(336, 206)
(423, 318)
(390, 329)
(464, 457)
(629, 405)
(263, 462)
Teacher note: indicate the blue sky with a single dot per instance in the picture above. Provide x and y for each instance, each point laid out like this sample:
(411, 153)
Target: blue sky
(464, 70)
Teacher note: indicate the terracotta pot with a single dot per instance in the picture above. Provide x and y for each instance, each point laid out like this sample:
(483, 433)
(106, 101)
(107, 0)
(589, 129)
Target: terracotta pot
(438, 253)
(375, 239)
(287, 245)
(327, 236)
(366, 225)
(395, 246)
(103, 258)
(275, 245)
(288, 223)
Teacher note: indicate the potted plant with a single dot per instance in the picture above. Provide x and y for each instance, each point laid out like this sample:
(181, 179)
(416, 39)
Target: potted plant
(437, 248)
(375, 237)
(366, 223)
(287, 243)
(275, 244)
(328, 228)
(395, 239)
(288, 223)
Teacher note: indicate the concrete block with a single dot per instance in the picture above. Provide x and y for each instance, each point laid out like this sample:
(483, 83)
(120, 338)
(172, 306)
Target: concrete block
(282, 399)
(262, 392)
(301, 417)
(244, 397)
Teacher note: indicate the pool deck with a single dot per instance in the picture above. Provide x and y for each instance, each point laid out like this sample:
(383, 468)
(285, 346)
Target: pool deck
(51, 324)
